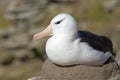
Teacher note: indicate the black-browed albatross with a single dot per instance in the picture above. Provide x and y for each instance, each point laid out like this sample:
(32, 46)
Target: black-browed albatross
(68, 46)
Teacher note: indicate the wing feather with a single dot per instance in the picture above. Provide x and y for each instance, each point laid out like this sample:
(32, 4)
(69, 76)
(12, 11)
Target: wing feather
(100, 43)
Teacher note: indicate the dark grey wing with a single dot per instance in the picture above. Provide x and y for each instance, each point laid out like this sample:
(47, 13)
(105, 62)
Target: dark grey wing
(100, 43)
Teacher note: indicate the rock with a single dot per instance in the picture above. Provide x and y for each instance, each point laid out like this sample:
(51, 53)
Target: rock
(38, 48)
(11, 44)
(63, 1)
(3, 4)
(23, 54)
(51, 71)
(118, 57)
(21, 70)
(18, 9)
(25, 13)
(4, 34)
(117, 77)
(6, 58)
(115, 37)
(35, 78)
(110, 5)
(17, 41)
(7, 33)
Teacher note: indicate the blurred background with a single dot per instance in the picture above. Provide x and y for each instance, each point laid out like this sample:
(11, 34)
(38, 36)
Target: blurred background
(21, 57)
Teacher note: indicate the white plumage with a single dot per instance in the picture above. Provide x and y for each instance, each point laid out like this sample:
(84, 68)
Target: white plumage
(65, 47)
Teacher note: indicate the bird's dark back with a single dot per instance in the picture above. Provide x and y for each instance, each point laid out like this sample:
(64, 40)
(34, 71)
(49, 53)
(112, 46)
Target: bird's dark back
(100, 43)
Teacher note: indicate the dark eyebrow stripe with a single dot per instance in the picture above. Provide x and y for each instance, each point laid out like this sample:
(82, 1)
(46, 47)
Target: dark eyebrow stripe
(59, 21)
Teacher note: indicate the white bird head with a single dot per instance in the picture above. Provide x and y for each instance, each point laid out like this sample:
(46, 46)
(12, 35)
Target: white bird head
(63, 24)
(60, 24)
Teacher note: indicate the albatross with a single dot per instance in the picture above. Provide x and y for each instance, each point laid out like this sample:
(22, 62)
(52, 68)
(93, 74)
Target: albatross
(68, 46)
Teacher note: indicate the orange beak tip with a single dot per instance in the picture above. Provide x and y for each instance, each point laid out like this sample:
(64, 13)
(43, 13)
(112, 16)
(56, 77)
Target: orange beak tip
(35, 37)
(43, 33)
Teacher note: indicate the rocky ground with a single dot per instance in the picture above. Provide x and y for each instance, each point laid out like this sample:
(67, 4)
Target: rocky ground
(21, 57)
(51, 71)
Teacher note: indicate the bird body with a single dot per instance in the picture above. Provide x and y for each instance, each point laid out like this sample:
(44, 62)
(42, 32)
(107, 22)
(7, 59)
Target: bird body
(63, 51)
(68, 46)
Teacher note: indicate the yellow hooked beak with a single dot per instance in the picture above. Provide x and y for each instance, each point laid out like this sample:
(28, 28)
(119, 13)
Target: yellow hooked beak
(46, 32)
